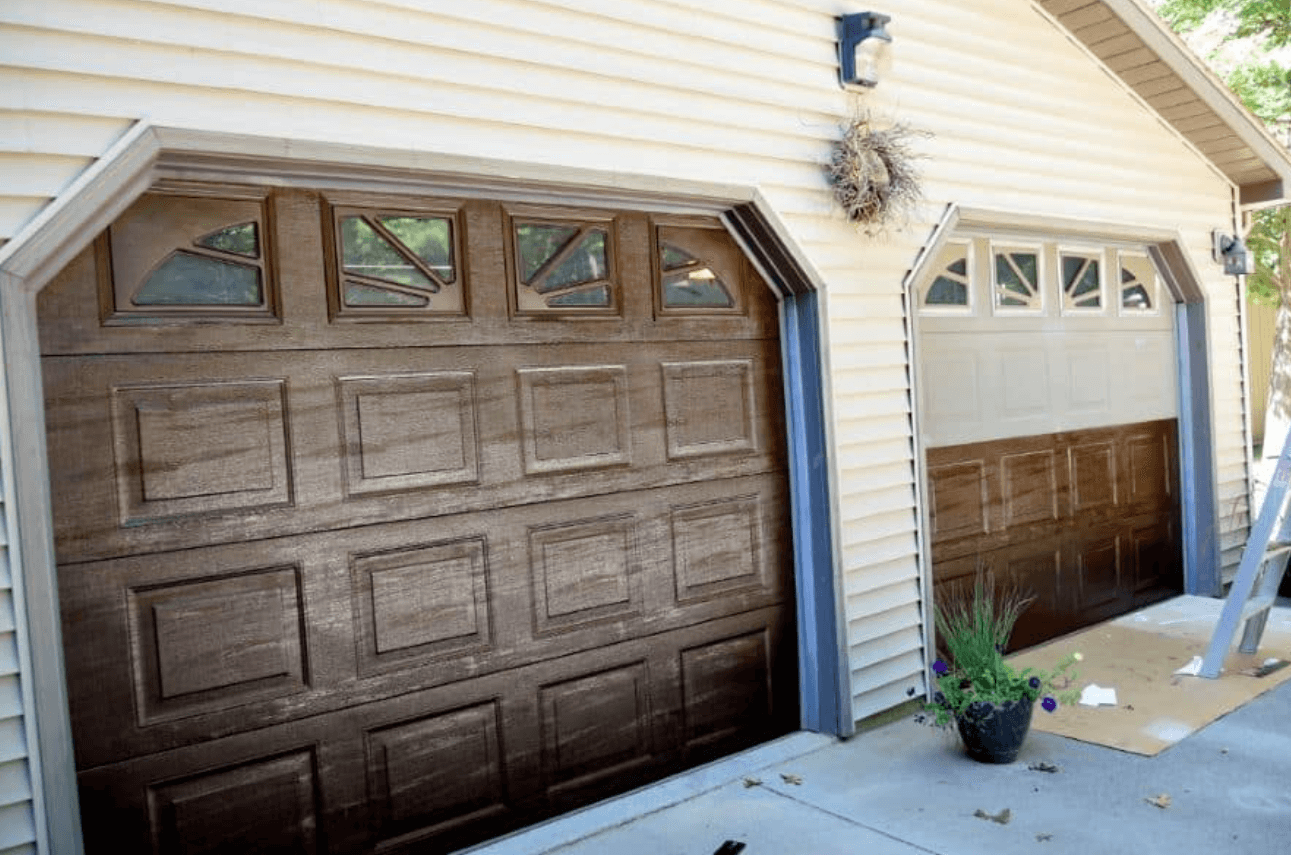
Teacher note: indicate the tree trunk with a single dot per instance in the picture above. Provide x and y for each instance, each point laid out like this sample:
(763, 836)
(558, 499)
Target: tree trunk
(1277, 412)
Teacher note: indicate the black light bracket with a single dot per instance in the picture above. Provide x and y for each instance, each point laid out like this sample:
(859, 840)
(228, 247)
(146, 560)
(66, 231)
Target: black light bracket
(854, 29)
(1231, 251)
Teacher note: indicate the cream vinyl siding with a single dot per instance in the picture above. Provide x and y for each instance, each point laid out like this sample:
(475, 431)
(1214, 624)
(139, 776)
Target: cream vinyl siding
(745, 93)
(41, 153)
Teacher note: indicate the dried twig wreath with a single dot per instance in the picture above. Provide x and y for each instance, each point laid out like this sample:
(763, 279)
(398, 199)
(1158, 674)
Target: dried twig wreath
(873, 174)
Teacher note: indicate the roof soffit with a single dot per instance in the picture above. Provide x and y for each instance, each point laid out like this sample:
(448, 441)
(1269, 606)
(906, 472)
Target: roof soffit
(1136, 46)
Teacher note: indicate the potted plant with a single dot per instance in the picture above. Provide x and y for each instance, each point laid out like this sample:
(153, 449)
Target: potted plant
(990, 701)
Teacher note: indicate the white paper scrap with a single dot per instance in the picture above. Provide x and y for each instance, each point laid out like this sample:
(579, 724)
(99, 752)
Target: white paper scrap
(1192, 669)
(1097, 696)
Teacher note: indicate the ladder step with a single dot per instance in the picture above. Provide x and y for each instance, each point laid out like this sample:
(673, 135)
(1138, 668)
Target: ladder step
(1255, 606)
(1262, 543)
(1277, 548)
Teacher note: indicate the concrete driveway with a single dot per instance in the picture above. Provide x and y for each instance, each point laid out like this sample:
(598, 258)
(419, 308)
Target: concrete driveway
(906, 788)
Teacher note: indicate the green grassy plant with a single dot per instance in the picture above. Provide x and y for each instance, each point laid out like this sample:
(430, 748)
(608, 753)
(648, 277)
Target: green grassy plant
(973, 629)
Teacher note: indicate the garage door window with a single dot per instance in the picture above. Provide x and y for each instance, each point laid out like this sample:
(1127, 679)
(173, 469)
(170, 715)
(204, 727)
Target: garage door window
(188, 279)
(242, 239)
(1082, 281)
(1139, 284)
(1017, 280)
(563, 266)
(699, 271)
(208, 264)
(396, 262)
(951, 291)
(687, 281)
(1033, 280)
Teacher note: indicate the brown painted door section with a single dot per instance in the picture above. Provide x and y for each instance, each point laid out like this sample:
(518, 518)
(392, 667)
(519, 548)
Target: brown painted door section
(411, 521)
(1087, 520)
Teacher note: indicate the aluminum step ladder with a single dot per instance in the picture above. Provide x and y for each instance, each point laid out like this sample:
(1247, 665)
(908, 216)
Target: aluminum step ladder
(1264, 561)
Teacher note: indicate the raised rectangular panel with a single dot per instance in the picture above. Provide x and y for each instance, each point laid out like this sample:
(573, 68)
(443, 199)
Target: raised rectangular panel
(1089, 381)
(595, 725)
(200, 448)
(584, 573)
(216, 642)
(236, 433)
(1099, 563)
(959, 499)
(1151, 375)
(725, 684)
(1154, 556)
(1149, 474)
(709, 407)
(951, 380)
(425, 601)
(1037, 568)
(959, 570)
(717, 548)
(1024, 379)
(263, 806)
(1093, 476)
(1030, 487)
(409, 431)
(574, 417)
(432, 773)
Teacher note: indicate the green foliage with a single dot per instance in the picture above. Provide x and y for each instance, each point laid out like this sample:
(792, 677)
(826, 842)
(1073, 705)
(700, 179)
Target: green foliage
(1270, 17)
(1269, 241)
(1265, 89)
(973, 629)
(1264, 86)
(370, 253)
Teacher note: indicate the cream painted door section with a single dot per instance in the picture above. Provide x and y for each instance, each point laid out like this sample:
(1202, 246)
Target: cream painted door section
(1050, 403)
(992, 371)
(391, 524)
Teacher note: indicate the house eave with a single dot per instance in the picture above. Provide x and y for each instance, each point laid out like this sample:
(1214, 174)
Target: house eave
(1137, 48)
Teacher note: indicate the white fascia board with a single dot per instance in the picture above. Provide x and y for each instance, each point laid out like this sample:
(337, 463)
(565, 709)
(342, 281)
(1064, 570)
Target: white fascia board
(1209, 88)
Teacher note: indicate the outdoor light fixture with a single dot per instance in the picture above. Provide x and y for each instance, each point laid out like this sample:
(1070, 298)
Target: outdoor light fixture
(864, 48)
(1232, 251)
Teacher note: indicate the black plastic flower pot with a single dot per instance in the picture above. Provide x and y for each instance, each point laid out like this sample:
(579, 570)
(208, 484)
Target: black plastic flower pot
(994, 733)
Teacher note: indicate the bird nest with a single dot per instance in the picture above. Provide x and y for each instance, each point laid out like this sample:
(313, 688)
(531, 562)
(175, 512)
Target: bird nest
(873, 174)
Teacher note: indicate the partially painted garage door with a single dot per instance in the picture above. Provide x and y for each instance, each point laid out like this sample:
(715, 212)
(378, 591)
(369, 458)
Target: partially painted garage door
(1049, 416)
(392, 523)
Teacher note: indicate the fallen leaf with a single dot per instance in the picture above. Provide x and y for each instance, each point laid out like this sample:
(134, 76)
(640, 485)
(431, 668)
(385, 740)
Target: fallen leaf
(1042, 766)
(791, 779)
(1002, 817)
(1162, 801)
(1041, 838)
(752, 782)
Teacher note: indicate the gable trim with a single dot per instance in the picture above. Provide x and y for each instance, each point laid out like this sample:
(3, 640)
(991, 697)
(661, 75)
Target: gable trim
(1136, 47)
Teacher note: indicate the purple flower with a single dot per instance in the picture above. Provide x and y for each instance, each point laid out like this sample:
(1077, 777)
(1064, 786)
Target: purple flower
(1034, 682)
(940, 667)
(1049, 704)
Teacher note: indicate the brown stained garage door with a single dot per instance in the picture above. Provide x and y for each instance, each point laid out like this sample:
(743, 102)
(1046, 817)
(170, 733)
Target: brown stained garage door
(386, 523)
(1086, 520)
